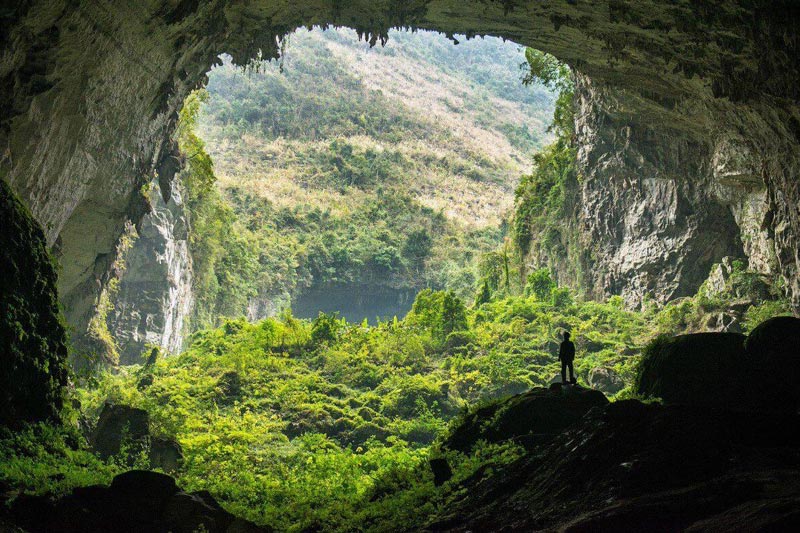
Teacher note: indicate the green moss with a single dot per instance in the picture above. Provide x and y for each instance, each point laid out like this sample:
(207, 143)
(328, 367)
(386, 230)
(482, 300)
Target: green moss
(33, 340)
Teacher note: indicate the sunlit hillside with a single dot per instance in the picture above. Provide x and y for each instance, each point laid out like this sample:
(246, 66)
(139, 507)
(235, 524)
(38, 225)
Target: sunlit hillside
(378, 170)
(454, 119)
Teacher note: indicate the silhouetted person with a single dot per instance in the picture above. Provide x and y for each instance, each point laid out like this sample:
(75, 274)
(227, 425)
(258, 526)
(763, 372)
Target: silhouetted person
(566, 354)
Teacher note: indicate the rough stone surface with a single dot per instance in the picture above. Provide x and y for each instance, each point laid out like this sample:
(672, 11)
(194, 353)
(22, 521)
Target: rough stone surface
(154, 299)
(690, 120)
(136, 501)
(636, 467)
(533, 417)
(33, 340)
(118, 425)
(165, 454)
(606, 380)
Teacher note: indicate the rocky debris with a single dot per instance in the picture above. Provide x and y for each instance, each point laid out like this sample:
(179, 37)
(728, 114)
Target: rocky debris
(723, 322)
(726, 370)
(606, 380)
(120, 426)
(629, 466)
(532, 418)
(136, 501)
(125, 428)
(165, 454)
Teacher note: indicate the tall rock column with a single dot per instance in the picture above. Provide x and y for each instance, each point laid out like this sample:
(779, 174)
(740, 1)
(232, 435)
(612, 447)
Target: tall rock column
(154, 299)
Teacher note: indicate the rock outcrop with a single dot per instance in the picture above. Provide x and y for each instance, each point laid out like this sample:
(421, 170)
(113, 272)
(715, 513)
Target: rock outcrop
(136, 501)
(708, 461)
(154, 298)
(727, 370)
(690, 121)
(636, 467)
(530, 418)
(122, 428)
(33, 340)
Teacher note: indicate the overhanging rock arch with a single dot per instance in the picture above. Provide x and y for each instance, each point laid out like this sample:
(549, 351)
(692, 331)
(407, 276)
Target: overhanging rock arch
(689, 123)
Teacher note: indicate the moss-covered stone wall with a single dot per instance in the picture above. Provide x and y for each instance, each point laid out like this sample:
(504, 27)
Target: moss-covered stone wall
(33, 340)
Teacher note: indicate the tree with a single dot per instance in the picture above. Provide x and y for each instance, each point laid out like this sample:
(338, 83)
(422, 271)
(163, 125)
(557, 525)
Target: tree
(540, 284)
(418, 246)
(484, 294)
(453, 315)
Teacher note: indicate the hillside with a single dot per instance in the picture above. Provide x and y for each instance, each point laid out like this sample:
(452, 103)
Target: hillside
(395, 173)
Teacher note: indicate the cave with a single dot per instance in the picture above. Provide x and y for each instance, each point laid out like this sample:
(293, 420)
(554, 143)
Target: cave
(688, 123)
(687, 127)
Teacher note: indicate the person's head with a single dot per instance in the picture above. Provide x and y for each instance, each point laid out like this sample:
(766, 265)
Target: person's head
(566, 335)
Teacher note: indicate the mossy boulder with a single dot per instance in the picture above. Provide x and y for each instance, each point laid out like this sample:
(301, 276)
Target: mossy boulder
(606, 380)
(726, 370)
(33, 340)
(773, 349)
(121, 427)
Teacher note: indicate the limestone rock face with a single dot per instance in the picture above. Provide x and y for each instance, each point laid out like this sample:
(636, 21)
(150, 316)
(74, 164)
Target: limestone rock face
(691, 119)
(155, 291)
(647, 209)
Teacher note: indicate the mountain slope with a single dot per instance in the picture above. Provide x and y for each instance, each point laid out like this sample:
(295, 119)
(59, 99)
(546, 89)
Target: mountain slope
(390, 168)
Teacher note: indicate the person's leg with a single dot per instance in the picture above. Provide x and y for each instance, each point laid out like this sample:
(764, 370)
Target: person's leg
(563, 371)
(571, 372)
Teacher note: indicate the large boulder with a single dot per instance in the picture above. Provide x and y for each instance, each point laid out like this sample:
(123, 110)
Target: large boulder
(120, 425)
(606, 380)
(726, 370)
(165, 454)
(532, 418)
(136, 501)
(698, 369)
(773, 350)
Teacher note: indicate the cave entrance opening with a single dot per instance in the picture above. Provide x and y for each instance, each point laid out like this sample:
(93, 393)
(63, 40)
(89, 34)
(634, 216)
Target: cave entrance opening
(341, 178)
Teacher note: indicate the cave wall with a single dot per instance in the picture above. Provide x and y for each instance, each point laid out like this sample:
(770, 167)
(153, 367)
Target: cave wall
(33, 339)
(92, 88)
(649, 212)
(154, 298)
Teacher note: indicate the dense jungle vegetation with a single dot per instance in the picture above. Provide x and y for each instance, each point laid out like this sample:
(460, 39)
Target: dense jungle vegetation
(328, 425)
